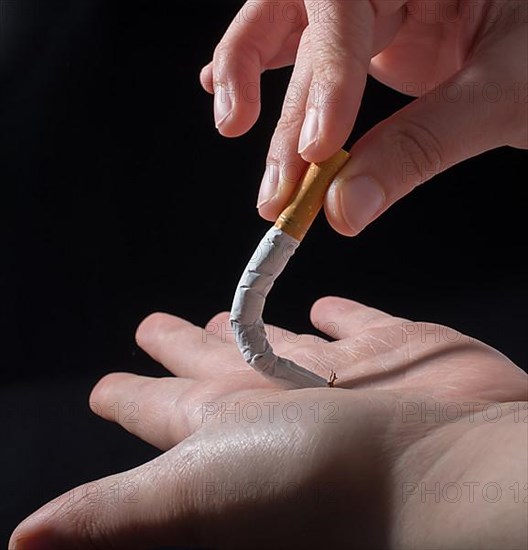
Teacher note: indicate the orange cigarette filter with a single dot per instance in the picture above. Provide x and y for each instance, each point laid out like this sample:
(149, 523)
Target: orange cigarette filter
(299, 215)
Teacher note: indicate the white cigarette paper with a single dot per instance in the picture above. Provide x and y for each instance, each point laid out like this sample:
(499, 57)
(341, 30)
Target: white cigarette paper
(267, 263)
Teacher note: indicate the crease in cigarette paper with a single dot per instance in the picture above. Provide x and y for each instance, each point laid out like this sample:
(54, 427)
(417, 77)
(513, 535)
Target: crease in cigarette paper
(268, 262)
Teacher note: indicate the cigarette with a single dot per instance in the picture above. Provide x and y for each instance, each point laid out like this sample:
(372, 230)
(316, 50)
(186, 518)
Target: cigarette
(265, 266)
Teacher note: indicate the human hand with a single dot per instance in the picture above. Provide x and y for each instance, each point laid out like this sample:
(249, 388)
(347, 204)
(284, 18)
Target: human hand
(466, 61)
(322, 468)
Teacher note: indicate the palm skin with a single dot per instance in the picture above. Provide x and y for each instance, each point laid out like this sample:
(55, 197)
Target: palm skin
(322, 468)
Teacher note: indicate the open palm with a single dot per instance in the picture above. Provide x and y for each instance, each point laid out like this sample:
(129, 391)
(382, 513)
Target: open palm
(409, 450)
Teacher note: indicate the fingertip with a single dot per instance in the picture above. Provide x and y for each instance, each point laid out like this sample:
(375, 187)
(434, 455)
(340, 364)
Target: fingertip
(236, 84)
(32, 542)
(104, 383)
(87, 516)
(234, 121)
(220, 318)
(34, 534)
(157, 333)
(102, 391)
(277, 191)
(315, 310)
(268, 213)
(206, 78)
(150, 328)
(94, 398)
(271, 210)
(333, 212)
(320, 150)
(323, 306)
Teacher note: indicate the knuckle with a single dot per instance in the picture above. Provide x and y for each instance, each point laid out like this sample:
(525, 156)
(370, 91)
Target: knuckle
(332, 73)
(234, 54)
(418, 151)
(291, 119)
(331, 50)
(328, 64)
(222, 51)
(228, 56)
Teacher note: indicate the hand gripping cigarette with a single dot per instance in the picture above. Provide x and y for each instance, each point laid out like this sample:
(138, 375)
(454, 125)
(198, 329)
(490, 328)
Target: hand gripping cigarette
(268, 262)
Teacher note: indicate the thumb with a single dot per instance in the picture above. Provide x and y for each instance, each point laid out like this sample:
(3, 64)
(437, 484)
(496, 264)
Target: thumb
(461, 118)
(148, 506)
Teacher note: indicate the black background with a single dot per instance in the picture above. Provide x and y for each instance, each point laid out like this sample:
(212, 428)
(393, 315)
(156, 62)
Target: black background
(118, 193)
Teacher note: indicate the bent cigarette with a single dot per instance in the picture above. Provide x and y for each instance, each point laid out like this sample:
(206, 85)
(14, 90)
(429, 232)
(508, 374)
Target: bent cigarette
(267, 263)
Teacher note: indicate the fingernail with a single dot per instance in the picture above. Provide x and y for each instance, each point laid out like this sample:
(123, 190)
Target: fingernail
(223, 104)
(361, 199)
(269, 185)
(310, 130)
